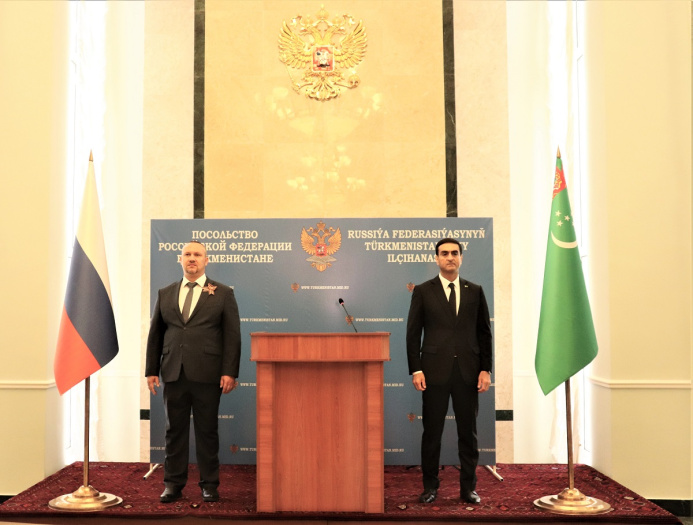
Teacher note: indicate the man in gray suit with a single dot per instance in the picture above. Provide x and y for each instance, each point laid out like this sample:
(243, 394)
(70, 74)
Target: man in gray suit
(452, 361)
(194, 343)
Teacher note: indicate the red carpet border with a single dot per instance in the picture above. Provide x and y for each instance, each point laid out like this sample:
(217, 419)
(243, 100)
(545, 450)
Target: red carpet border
(510, 500)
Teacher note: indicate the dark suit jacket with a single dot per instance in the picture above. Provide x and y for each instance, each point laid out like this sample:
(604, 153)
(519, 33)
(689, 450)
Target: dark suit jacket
(208, 346)
(468, 335)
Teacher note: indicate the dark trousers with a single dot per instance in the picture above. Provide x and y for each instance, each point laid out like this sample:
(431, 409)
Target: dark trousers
(181, 398)
(465, 404)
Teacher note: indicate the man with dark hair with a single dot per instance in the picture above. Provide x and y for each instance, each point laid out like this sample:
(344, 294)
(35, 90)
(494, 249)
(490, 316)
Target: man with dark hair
(195, 344)
(453, 360)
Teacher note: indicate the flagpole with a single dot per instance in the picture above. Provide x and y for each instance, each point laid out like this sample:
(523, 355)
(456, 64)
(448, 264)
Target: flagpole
(86, 498)
(87, 411)
(569, 432)
(571, 500)
(87, 339)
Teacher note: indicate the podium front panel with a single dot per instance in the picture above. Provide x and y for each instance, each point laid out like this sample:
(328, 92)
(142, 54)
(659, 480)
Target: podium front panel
(319, 423)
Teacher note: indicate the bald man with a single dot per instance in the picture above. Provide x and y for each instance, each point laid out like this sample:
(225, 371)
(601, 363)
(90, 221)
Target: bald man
(194, 344)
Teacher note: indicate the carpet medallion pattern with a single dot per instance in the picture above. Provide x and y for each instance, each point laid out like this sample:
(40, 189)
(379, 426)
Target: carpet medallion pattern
(510, 500)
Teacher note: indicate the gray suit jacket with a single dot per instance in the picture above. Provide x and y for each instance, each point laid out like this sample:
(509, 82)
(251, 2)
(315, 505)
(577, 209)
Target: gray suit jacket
(468, 335)
(208, 346)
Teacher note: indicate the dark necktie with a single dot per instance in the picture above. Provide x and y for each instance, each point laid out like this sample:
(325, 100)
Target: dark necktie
(453, 299)
(188, 302)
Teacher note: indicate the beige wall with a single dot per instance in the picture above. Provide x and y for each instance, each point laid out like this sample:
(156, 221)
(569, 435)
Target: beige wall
(33, 58)
(37, 60)
(639, 70)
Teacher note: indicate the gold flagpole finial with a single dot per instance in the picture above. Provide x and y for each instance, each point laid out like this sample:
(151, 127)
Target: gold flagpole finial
(91, 156)
(558, 152)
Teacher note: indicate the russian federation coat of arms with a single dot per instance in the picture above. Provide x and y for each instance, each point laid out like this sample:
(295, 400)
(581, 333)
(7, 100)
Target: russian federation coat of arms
(321, 243)
(326, 53)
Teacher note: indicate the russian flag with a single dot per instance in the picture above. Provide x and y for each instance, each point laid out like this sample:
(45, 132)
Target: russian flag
(87, 339)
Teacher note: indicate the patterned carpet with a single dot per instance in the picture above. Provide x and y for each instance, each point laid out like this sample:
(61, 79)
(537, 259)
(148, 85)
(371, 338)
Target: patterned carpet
(510, 500)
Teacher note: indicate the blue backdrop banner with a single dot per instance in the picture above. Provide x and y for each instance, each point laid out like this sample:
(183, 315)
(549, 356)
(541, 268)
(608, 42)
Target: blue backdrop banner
(289, 276)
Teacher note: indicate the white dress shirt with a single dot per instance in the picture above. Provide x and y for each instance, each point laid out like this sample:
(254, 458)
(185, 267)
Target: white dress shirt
(446, 286)
(197, 291)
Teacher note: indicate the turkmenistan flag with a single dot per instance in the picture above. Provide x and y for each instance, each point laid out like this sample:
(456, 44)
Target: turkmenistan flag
(566, 342)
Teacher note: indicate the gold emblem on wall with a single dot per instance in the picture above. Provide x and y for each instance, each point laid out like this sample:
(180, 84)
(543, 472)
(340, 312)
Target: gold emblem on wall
(326, 53)
(321, 243)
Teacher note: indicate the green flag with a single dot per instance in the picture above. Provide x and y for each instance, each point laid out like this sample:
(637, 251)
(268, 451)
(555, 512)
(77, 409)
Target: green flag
(566, 343)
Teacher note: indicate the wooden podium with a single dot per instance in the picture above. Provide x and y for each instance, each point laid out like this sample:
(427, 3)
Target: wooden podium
(320, 421)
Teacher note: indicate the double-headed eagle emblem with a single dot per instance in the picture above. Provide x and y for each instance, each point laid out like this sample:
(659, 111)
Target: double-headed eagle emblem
(326, 52)
(321, 243)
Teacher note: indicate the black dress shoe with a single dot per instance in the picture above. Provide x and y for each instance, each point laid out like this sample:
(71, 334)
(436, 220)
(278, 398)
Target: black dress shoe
(428, 496)
(471, 497)
(210, 494)
(169, 495)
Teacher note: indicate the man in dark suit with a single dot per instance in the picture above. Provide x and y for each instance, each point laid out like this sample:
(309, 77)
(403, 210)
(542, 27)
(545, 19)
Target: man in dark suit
(453, 360)
(195, 344)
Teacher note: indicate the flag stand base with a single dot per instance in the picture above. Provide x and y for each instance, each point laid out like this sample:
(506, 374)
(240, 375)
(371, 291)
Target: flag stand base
(572, 501)
(85, 499)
